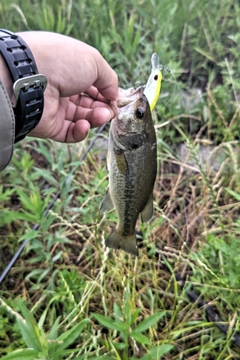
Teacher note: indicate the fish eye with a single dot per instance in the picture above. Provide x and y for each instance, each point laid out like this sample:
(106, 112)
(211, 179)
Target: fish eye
(139, 113)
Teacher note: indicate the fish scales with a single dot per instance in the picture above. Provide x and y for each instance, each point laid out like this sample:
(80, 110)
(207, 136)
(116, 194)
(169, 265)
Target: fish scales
(128, 189)
(132, 165)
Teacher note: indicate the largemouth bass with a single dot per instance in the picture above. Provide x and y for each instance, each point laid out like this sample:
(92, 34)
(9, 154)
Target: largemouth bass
(132, 166)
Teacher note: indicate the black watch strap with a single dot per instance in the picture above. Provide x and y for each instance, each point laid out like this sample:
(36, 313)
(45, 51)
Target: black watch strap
(28, 84)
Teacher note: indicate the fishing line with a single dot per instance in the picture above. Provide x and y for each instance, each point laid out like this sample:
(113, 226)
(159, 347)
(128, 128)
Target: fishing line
(211, 313)
(165, 68)
(157, 68)
(49, 206)
(19, 251)
(98, 132)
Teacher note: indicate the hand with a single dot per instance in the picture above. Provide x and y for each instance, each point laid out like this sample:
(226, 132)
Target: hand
(81, 86)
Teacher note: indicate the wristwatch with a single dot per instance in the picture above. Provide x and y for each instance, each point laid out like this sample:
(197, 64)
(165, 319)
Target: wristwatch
(28, 84)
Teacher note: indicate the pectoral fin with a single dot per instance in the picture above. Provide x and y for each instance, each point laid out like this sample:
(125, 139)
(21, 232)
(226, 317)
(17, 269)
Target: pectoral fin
(121, 161)
(106, 203)
(147, 212)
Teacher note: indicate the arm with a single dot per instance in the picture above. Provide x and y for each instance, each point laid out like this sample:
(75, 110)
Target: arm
(7, 119)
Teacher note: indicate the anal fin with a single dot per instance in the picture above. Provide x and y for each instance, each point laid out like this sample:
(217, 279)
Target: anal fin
(147, 212)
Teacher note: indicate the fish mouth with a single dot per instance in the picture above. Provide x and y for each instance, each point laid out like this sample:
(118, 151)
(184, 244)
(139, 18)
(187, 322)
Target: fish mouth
(129, 96)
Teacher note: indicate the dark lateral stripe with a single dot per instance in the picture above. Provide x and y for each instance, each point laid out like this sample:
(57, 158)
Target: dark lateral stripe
(129, 196)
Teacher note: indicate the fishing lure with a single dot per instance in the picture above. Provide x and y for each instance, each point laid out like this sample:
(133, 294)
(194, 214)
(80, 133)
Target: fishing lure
(153, 86)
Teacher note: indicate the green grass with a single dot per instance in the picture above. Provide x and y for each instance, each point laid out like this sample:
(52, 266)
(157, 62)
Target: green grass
(69, 297)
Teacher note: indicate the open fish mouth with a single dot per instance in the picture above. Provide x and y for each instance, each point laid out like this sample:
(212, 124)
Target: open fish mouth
(129, 96)
(121, 102)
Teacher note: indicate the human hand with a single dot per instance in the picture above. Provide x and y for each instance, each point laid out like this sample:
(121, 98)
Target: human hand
(81, 86)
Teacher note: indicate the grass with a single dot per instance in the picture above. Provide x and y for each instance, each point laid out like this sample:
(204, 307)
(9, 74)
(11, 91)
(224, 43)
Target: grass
(69, 297)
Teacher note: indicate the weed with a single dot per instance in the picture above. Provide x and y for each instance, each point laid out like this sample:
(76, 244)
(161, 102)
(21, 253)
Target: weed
(68, 297)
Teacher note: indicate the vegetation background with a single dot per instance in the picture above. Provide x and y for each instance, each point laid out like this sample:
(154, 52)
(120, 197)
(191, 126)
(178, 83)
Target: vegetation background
(68, 297)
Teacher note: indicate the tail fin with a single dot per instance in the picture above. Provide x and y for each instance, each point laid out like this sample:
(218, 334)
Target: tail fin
(127, 243)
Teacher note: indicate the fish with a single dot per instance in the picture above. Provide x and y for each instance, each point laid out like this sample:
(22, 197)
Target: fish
(132, 167)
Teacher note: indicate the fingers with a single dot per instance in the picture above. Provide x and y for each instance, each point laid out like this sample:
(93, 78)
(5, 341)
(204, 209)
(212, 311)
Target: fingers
(77, 130)
(84, 107)
(72, 132)
(96, 117)
(94, 93)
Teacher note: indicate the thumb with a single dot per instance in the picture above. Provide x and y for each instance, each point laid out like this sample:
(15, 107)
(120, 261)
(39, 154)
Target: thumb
(107, 80)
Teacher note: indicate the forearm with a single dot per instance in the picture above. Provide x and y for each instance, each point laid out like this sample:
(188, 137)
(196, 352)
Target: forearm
(6, 77)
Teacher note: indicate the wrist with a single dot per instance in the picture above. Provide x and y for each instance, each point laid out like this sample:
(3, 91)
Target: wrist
(24, 84)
